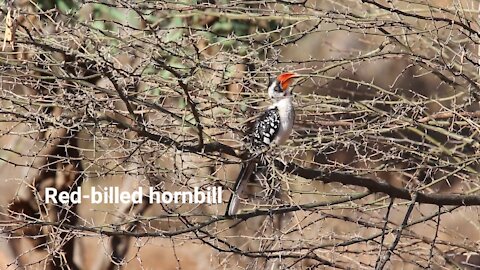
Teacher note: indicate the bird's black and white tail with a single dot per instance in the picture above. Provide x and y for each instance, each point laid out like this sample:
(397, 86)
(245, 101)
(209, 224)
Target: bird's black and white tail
(243, 178)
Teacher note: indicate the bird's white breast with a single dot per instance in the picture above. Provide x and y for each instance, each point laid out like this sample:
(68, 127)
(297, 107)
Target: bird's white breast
(287, 116)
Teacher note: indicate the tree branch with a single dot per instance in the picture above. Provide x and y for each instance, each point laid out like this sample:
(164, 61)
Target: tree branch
(378, 186)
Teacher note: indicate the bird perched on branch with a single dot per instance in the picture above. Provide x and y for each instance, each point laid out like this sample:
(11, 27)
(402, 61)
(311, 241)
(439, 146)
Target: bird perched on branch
(272, 128)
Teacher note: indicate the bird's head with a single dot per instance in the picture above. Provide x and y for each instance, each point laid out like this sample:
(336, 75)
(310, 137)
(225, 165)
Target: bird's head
(280, 87)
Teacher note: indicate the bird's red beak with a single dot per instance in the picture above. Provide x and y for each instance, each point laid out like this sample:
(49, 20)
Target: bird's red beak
(285, 79)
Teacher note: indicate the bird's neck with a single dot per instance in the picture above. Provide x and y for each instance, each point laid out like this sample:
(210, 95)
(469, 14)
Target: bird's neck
(283, 99)
(284, 103)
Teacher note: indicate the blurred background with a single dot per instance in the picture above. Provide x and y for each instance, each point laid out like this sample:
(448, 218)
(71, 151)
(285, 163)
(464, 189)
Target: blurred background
(381, 170)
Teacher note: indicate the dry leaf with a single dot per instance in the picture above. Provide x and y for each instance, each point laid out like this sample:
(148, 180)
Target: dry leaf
(10, 28)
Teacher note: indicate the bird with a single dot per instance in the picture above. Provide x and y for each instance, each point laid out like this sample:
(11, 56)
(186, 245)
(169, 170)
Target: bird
(272, 128)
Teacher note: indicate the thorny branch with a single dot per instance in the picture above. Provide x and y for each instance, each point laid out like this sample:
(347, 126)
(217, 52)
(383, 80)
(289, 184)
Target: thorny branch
(162, 93)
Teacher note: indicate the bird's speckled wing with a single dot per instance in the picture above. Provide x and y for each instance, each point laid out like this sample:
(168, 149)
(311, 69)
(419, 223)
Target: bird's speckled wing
(266, 128)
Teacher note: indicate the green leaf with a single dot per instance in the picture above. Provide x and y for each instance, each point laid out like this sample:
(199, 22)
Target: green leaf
(66, 6)
(182, 103)
(243, 107)
(240, 28)
(230, 72)
(99, 25)
(165, 74)
(156, 91)
(174, 33)
(222, 25)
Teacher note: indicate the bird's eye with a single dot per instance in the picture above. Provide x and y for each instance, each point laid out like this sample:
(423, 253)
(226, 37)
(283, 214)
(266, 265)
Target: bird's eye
(278, 88)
